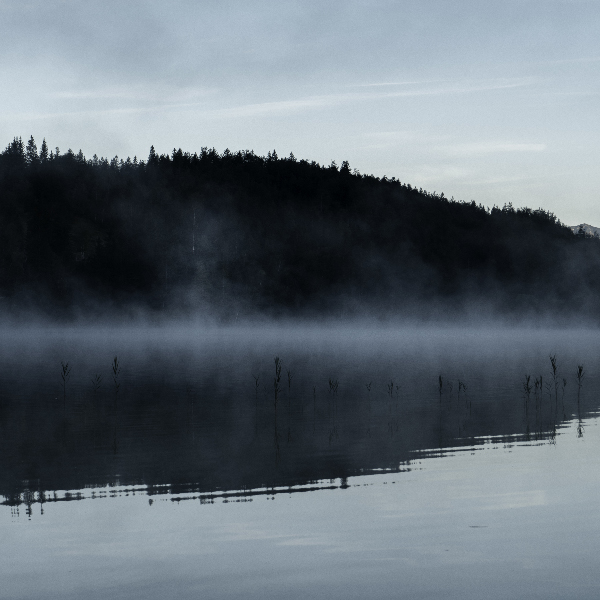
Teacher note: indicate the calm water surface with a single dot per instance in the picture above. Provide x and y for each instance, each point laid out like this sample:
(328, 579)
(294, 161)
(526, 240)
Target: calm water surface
(407, 462)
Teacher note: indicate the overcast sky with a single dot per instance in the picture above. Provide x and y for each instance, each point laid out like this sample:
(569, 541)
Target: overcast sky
(485, 100)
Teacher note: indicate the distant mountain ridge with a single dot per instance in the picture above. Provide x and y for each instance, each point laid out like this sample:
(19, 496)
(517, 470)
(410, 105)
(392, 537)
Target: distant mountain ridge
(589, 229)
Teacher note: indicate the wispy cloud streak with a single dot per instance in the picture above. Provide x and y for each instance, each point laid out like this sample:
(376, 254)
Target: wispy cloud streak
(491, 148)
(198, 101)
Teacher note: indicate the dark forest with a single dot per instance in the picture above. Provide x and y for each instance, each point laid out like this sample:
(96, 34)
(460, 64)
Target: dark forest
(235, 234)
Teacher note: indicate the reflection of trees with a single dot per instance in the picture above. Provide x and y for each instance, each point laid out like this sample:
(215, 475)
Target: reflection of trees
(202, 436)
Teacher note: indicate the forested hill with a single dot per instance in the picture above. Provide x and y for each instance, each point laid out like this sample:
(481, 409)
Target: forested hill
(235, 234)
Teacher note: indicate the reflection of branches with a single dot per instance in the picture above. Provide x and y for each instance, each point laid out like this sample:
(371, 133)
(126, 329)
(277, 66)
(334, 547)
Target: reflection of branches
(333, 434)
(276, 441)
(96, 381)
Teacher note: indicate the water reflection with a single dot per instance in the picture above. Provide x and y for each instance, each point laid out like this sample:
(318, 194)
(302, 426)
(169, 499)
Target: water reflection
(228, 421)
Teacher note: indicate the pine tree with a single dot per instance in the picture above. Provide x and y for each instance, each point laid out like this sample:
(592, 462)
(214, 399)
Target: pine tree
(31, 155)
(44, 151)
(16, 148)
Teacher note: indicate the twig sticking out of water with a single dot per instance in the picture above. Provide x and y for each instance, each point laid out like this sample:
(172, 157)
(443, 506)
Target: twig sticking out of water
(276, 389)
(289, 378)
(461, 387)
(553, 364)
(333, 390)
(527, 391)
(391, 393)
(256, 386)
(333, 387)
(555, 378)
(116, 370)
(277, 379)
(440, 385)
(580, 375)
(65, 375)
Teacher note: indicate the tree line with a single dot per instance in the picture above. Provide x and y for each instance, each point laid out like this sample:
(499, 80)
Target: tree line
(235, 233)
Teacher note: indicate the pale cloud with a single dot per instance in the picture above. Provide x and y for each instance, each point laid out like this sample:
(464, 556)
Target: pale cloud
(390, 139)
(329, 100)
(467, 87)
(135, 93)
(398, 136)
(448, 86)
(306, 541)
(202, 101)
(568, 61)
(394, 83)
(278, 107)
(479, 148)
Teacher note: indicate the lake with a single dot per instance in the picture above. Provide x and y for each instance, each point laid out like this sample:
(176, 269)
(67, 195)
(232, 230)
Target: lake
(309, 461)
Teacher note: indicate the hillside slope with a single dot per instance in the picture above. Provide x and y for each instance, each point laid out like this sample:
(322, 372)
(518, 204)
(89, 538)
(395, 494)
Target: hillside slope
(236, 233)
